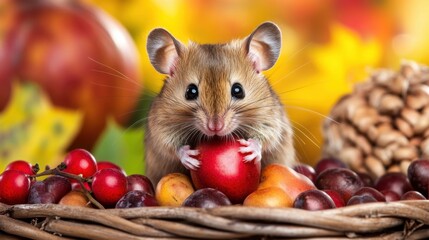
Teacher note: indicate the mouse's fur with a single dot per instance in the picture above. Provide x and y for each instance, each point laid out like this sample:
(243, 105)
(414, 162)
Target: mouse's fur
(174, 121)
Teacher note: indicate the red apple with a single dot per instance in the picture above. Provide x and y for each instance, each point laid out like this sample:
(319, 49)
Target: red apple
(80, 56)
(223, 168)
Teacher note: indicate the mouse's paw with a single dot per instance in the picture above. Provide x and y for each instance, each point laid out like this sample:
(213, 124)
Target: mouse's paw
(185, 155)
(253, 148)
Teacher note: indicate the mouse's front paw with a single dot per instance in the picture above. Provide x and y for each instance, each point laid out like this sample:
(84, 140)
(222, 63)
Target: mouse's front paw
(185, 155)
(253, 148)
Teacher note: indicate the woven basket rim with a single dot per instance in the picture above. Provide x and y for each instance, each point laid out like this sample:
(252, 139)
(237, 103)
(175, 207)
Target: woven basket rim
(393, 219)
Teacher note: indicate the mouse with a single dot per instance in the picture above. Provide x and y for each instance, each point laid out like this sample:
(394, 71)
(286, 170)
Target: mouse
(215, 90)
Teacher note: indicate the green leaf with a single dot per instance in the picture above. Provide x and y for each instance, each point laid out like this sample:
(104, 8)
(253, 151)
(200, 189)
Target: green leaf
(123, 147)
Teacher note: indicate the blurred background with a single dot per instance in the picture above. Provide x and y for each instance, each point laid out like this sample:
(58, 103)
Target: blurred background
(75, 73)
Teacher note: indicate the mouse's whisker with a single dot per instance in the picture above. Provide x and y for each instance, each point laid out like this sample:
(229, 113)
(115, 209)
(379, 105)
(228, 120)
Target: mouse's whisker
(312, 111)
(116, 72)
(290, 73)
(313, 141)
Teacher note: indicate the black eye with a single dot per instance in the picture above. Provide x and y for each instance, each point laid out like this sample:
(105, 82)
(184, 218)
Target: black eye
(237, 91)
(191, 92)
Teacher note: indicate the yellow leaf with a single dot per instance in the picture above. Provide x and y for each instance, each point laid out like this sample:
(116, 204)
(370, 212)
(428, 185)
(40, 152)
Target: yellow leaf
(33, 130)
(312, 78)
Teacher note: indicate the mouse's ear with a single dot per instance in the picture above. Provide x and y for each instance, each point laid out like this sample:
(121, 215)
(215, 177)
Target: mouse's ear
(163, 50)
(263, 46)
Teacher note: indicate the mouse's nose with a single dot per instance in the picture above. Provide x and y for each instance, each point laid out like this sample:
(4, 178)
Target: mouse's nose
(215, 124)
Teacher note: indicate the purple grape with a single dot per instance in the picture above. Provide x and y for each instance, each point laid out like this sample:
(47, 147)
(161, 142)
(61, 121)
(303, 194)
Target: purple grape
(206, 198)
(393, 181)
(306, 170)
(328, 163)
(343, 180)
(314, 200)
(360, 199)
(136, 198)
(141, 183)
(418, 174)
(50, 190)
(371, 192)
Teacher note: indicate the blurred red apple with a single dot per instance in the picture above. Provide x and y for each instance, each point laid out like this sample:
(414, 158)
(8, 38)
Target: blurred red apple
(222, 167)
(80, 56)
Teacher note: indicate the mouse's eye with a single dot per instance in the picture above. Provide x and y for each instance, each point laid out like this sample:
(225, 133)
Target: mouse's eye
(237, 91)
(191, 92)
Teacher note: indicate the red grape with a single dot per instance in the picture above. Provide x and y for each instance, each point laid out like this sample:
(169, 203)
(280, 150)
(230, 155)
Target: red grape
(80, 161)
(14, 187)
(108, 186)
(336, 197)
(22, 166)
(107, 164)
(391, 196)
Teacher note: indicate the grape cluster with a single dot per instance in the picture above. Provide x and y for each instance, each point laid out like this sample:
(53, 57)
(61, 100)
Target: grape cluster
(338, 186)
(103, 184)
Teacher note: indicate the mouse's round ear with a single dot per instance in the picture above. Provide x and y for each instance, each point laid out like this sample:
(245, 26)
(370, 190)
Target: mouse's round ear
(263, 46)
(164, 50)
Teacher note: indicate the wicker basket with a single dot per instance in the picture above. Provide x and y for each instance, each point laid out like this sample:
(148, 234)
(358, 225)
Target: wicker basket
(394, 220)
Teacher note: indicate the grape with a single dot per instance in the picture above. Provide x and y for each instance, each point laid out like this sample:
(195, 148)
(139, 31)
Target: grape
(206, 198)
(107, 164)
(313, 200)
(366, 179)
(80, 161)
(306, 170)
(14, 187)
(108, 186)
(413, 195)
(371, 192)
(344, 181)
(50, 190)
(390, 195)
(394, 181)
(336, 197)
(327, 163)
(360, 199)
(22, 166)
(136, 198)
(418, 174)
(141, 183)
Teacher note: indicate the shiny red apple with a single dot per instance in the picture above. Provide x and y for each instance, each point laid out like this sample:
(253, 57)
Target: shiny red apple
(223, 168)
(80, 56)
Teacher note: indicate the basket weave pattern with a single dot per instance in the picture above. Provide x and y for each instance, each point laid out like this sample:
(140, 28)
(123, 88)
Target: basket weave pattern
(394, 220)
(383, 124)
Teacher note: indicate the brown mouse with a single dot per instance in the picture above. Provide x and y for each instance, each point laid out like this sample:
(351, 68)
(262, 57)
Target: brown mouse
(215, 90)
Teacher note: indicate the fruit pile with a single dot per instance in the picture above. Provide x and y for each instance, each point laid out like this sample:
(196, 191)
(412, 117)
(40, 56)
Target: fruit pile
(223, 179)
(79, 180)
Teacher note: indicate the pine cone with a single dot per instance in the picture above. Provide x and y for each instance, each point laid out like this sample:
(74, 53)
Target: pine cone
(383, 124)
